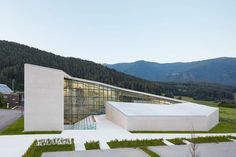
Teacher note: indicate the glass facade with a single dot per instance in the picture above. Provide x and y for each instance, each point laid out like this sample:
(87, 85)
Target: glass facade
(82, 99)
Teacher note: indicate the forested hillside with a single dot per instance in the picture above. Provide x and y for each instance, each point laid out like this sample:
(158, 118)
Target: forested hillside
(219, 70)
(14, 55)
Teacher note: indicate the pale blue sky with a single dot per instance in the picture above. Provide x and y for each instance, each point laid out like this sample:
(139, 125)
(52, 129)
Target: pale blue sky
(111, 31)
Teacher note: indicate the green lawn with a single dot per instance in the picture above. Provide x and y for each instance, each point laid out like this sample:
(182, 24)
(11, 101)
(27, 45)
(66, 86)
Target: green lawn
(36, 151)
(226, 114)
(39, 150)
(211, 139)
(208, 103)
(92, 145)
(149, 152)
(17, 128)
(135, 143)
(177, 141)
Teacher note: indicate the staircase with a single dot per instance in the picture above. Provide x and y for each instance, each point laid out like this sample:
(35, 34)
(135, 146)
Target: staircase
(87, 123)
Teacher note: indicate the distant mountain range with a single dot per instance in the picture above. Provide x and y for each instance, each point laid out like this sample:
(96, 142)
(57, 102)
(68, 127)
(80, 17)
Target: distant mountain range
(14, 55)
(218, 70)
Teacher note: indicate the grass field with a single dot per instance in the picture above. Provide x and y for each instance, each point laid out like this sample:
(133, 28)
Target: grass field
(226, 114)
(17, 128)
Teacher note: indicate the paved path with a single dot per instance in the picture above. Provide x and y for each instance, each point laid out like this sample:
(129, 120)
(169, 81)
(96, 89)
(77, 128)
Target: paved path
(226, 149)
(16, 145)
(123, 152)
(7, 117)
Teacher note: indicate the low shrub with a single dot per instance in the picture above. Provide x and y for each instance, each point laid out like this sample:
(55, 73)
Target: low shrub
(177, 141)
(227, 104)
(232, 137)
(135, 143)
(149, 152)
(210, 139)
(92, 145)
(49, 145)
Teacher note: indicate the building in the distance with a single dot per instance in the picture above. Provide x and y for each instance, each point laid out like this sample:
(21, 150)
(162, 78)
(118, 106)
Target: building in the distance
(56, 101)
(12, 99)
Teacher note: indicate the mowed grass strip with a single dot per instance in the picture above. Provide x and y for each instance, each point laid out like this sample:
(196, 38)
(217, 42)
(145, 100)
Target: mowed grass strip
(39, 150)
(149, 152)
(177, 141)
(210, 139)
(92, 145)
(17, 128)
(233, 137)
(36, 151)
(135, 143)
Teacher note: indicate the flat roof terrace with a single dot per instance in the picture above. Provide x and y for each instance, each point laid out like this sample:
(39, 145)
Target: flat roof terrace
(179, 109)
(184, 116)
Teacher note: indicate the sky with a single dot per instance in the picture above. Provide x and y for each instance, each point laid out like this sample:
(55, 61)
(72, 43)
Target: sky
(112, 31)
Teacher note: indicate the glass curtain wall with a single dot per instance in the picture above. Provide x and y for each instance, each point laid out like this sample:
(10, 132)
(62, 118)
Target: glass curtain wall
(82, 99)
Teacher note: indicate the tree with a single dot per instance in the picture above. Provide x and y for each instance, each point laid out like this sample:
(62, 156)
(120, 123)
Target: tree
(194, 146)
(2, 101)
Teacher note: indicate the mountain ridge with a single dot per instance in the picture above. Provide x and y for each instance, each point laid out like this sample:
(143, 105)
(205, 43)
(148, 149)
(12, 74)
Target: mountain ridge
(220, 70)
(13, 56)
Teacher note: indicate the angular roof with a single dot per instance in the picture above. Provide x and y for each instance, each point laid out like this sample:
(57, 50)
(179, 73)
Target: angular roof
(162, 110)
(4, 89)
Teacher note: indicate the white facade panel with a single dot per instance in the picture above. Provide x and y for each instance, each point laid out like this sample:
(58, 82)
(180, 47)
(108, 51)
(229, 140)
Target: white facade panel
(44, 99)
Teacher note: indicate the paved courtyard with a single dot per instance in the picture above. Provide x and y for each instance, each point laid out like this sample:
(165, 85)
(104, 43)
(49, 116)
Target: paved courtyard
(226, 149)
(16, 145)
(123, 152)
(7, 117)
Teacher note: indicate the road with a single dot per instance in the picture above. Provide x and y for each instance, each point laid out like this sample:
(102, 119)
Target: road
(7, 117)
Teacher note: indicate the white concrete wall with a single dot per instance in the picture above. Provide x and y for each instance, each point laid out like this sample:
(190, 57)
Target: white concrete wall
(213, 119)
(115, 116)
(161, 123)
(44, 99)
(168, 123)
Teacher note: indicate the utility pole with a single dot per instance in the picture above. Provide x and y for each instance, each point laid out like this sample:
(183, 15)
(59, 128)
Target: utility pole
(13, 85)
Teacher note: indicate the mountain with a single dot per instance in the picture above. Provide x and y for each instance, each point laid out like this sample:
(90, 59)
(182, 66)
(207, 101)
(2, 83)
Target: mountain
(218, 70)
(14, 55)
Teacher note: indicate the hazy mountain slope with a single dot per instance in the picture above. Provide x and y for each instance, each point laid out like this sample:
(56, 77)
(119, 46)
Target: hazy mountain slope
(219, 70)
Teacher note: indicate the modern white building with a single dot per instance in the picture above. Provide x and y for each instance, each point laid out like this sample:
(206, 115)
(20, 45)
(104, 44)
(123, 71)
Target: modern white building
(184, 116)
(55, 101)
